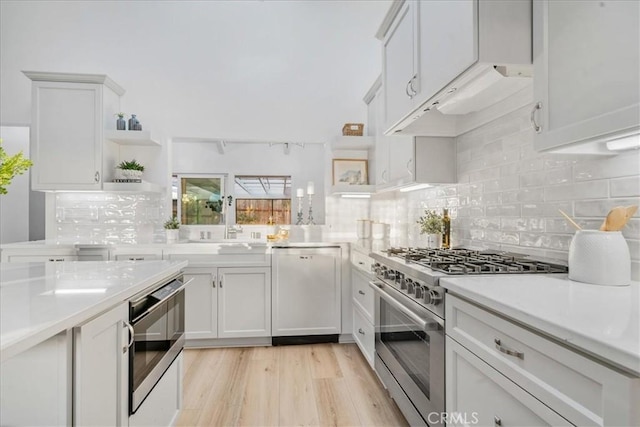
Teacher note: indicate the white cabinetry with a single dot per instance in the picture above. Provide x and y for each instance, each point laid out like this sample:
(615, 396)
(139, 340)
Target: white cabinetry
(101, 370)
(576, 387)
(201, 303)
(40, 254)
(306, 291)
(134, 254)
(363, 305)
(244, 302)
(587, 68)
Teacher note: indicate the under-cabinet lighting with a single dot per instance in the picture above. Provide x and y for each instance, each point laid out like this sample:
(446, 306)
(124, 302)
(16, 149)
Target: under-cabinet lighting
(356, 196)
(622, 144)
(415, 187)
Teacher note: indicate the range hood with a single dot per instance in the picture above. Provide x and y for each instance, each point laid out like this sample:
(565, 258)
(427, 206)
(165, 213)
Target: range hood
(482, 86)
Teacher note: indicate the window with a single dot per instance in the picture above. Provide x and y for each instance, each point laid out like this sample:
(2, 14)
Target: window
(263, 199)
(199, 199)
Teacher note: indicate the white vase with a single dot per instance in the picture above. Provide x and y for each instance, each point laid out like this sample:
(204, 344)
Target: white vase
(172, 234)
(434, 241)
(600, 258)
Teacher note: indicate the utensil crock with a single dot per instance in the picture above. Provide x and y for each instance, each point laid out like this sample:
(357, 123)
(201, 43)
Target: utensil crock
(600, 258)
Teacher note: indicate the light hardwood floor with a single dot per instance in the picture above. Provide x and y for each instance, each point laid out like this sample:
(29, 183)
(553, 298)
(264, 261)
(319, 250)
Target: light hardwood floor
(310, 385)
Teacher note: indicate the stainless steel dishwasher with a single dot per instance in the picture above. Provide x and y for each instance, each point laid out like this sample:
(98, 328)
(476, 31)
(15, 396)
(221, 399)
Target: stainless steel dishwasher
(306, 293)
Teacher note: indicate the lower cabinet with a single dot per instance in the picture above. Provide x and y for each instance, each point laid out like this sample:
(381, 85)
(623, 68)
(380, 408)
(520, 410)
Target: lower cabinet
(228, 302)
(101, 370)
(480, 395)
(363, 321)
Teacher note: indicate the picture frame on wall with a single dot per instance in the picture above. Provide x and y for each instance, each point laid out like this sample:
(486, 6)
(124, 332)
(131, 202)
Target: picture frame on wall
(350, 172)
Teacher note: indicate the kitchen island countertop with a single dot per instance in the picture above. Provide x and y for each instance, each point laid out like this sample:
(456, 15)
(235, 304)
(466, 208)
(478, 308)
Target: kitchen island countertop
(40, 300)
(603, 321)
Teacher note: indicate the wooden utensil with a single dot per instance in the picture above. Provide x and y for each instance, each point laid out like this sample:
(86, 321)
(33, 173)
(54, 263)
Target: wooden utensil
(571, 221)
(617, 218)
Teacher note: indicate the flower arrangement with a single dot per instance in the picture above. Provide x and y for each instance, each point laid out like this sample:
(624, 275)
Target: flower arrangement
(120, 115)
(10, 166)
(431, 223)
(172, 224)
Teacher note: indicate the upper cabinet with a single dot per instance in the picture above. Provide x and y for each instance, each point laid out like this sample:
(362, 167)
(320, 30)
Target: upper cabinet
(74, 143)
(448, 58)
(587, 72)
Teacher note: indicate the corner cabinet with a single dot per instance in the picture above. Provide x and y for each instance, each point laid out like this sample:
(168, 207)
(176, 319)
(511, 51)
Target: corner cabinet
(587, 72)
(69, 115)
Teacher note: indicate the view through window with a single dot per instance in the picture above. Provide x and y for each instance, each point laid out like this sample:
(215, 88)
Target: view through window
(198, 199)
(263, 199)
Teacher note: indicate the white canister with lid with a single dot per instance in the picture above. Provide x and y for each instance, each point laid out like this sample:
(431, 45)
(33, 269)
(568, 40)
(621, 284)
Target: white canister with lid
(600, 258)
(363, 228)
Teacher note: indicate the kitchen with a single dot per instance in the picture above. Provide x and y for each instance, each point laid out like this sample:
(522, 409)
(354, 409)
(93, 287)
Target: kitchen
(236, 117)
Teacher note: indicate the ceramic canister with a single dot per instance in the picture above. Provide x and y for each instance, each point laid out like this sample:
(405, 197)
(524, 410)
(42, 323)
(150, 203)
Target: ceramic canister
(600, 258)
(363, 228)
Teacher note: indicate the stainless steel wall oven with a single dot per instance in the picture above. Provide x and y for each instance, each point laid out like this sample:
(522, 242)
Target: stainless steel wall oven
(157, 320)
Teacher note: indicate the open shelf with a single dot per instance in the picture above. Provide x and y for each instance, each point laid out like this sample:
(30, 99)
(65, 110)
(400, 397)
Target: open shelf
(137, 187)
(353, 143)
(131, 137)
(353, 190)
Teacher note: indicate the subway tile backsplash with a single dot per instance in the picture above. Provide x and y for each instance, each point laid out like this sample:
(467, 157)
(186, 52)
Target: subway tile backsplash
(508, 195)
(102, 217)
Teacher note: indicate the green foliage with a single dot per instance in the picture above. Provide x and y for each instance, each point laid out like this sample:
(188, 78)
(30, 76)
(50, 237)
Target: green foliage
(11, 166)
(131, 165)
(120, 115)
(431, 223)
(172, 223)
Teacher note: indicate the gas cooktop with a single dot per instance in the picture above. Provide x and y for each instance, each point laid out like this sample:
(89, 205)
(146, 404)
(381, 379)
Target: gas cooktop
(467, 261)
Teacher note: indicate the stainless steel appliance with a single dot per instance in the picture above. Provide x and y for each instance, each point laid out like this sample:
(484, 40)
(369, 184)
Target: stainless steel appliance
(409, 315)
(157, 320)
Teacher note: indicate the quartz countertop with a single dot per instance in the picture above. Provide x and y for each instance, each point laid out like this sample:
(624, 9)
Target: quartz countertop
(603, 321)
(40, 300)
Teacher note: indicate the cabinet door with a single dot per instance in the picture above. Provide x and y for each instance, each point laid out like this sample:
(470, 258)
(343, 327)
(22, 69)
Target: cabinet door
(586, 68)
(101, 370)
(477, 394)
(448, 42)
(66, 136)
(244, 302)
(306, 291)
(400, 62)
(201, 306)
(376, 108)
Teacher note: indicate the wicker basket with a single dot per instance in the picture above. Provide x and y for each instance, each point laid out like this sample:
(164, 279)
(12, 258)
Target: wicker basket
(352, 129)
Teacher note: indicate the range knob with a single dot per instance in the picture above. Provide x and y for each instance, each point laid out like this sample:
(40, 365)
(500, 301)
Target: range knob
(419, 291)
(410, 286)
(389, 274)
(434, 297)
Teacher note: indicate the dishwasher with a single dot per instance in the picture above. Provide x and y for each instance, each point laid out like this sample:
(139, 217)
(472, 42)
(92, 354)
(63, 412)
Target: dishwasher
(306, 293)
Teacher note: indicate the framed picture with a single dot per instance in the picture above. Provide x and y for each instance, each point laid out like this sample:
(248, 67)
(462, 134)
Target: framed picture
(350, 172)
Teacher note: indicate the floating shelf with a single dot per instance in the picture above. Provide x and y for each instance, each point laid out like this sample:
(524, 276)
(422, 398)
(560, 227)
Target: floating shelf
(353, 143)
(131, 137)
(133, 187)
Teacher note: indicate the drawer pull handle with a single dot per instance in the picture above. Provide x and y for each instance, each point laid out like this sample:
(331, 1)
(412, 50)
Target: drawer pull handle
(497, 421)
(360, 263)
(507, 351)
(361, 293)
(360, 331)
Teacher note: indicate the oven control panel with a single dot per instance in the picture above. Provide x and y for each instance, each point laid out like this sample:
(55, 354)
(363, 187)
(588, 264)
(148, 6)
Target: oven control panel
(413, 288)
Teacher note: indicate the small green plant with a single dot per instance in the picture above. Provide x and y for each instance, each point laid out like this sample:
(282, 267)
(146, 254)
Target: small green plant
(131, 165)
(172, 224)
(10, 166)
(120, 115)
(431, 223)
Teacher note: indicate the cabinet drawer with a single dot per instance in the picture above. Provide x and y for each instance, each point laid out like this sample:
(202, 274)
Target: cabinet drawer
(583, 391)
(135, 255)
(361, 261)
(41, 258)
(258, 259)
(363, 333)
(362, 294)
(480, 395)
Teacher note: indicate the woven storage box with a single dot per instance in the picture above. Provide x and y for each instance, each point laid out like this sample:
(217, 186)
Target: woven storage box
(352, 129)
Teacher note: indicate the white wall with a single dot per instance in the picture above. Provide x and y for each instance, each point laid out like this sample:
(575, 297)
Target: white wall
(269, 70)
(14, 206)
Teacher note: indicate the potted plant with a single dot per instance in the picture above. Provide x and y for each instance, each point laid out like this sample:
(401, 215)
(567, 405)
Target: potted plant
(10, 166)
(172, 227)
(131, 169)
(121, 123)
(432, 225)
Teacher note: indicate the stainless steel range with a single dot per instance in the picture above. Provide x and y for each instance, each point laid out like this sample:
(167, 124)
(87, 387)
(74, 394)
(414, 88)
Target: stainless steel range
(409, 314)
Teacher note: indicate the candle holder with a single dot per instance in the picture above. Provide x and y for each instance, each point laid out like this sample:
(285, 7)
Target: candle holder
(300, 220)
(310, 218)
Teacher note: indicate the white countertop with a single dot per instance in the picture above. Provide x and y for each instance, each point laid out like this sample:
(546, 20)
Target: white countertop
(35, 303)
(603, 321)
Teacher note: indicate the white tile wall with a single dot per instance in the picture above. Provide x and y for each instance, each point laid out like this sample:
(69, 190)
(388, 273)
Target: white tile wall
(101, 218)
(508, 195)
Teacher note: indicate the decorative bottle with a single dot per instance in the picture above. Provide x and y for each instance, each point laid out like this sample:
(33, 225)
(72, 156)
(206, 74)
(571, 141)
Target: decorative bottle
(133, 121)
(446, 230)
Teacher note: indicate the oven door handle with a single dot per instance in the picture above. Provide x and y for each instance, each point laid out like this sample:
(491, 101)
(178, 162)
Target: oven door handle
(433, 323)
(156, 305)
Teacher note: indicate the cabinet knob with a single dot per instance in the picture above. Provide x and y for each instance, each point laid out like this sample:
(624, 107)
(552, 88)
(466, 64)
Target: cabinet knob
(360, 331)
(96, 177)
(213, 282)
(507, 351)
(406, 89)
(497, 421)
(535, 124)
(360, 292)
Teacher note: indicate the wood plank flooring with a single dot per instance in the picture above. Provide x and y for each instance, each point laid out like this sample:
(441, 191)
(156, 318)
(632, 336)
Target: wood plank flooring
(301, 385)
